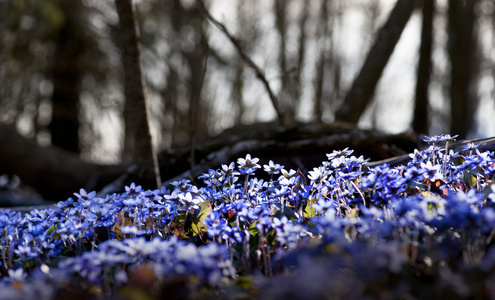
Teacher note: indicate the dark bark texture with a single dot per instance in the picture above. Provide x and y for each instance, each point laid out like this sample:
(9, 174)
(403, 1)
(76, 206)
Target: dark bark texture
(463, 61)
(420, 117)
(66, 75)
(136, 111)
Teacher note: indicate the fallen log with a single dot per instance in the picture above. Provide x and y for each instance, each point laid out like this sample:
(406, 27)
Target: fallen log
(53, 172)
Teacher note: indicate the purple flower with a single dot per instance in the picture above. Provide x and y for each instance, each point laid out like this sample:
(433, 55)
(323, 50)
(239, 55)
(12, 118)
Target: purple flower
(272, 168)
(228, 171)
(191, 200)
(25, 251)
(17, 275)
(432, 172)
(418, 157)
(133, 189)
(137, 201)
(83, 195)
(439, 138)
(339, 153)
(414, 174)
(248, 165)
(319, 174)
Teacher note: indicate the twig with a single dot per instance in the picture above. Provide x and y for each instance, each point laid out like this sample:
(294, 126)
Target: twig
(259, 73)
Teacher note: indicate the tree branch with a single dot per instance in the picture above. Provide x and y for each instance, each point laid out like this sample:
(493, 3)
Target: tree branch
(257, 70)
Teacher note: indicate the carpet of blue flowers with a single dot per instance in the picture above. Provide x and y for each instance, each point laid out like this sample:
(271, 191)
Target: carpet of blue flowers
(343, 231)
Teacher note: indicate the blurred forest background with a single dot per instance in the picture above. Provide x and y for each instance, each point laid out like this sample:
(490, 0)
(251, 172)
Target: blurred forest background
(61, 72)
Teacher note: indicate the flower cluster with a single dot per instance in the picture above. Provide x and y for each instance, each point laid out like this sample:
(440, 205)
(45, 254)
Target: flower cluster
(433, 218)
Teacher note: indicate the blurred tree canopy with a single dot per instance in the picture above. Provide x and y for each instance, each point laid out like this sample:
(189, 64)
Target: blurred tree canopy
(61, 70)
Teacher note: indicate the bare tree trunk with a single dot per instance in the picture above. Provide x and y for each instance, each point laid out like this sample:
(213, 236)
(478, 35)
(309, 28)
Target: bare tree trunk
(462, 52)
(66, 75)
(320, 63)
(280, 9)
(294, 88)
(364, 85)
(420, 118)
(373, 10)
(137, 107)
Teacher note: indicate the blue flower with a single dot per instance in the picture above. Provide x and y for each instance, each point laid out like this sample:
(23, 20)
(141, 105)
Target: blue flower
(470, 146)
(439, 138)
(133, 189)
(272, 168)
(25, 251)
(319, 174)
(418, 157)
(229, 171)
(414, 174)
(339, 153)
(83, 195)
(137, 201)
(432, 172)
(288, 233)
(248, 165)
(17, 275)
(191, 200)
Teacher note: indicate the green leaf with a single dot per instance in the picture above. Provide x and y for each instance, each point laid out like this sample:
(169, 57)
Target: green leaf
(309, 211)
(245, 281)
(197, 225)
(469, 178)
(459, 160)
(205, 209)
(52, 229)
(253, 230)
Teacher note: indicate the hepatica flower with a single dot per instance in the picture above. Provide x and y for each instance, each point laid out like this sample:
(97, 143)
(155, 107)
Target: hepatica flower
(248, 165)
(200, 238)
(272, 168)
(339, 153)
(83, 195)
(17, 275)
(191, 200)
(432, 172)
(133, 189)
(228, 171)
(440, 138)
(319, 174)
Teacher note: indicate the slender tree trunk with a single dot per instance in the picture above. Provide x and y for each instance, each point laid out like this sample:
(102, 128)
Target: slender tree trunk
(295, 88)
(462, 52)
(420, 118)
(137, 107)
(280, 9)
(320, 63)
(364, 85)
(66, 75)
